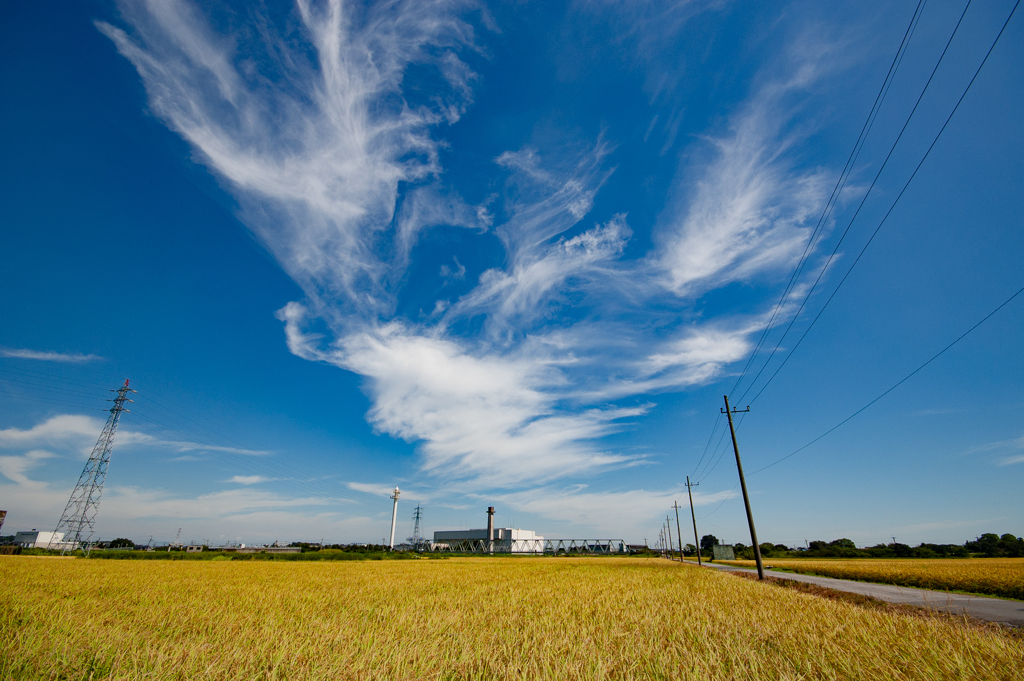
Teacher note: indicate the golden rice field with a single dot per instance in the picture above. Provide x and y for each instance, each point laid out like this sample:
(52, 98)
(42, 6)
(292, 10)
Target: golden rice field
(993, 576)
(463, 618)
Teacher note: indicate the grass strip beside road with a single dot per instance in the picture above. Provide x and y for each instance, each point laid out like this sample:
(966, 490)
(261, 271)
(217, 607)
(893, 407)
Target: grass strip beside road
(464, 618)
(877, 604)
(1001, 577)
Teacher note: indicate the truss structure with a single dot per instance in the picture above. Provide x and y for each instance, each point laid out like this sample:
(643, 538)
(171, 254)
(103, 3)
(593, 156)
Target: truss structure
(535, 547)
(76, 525)
(417, 516)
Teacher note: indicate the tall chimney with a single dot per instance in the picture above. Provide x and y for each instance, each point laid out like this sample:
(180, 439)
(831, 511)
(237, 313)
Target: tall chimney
(490, 529)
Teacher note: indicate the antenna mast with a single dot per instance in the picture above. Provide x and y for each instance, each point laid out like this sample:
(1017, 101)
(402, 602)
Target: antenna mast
(79, 517)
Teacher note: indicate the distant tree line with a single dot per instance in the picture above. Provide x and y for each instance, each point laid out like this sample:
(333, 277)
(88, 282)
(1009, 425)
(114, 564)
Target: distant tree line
(989, 545)
(310, 547)
(993, 545)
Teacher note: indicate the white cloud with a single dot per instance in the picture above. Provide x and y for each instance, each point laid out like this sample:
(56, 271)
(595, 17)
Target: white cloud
(615, 513)
(1004, 446)
(382, 490)
(184, 446)
(486, 417)
(450, 274)
(316, 142)
(248, 479)
(749, 213)
(80, 432)
(426, 207)
(14, 467)
(519, 295)
(60, 429)
(254, 514)
(336, 169)
(258, 511)
(47, 356)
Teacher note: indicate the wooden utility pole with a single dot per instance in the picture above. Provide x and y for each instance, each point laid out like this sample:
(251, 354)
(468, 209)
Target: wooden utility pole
(668, 528)
(743, 485)
(693, 517)
(679, 534)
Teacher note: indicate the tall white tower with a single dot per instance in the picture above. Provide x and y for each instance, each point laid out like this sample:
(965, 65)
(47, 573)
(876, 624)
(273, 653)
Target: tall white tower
(394, 514)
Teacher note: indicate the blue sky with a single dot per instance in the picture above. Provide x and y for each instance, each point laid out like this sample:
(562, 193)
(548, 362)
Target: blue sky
(511, 254)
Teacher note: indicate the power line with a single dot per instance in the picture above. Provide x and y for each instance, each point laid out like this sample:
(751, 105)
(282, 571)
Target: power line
(706, 446)
(822, 220)
(728, 496)
(898, 383)
(720, 450)
(255, 465)
(258, 465)
(888, 212)
(78, 522)
(199, 436)
(715, 458)
(838, 189)
(217, 435)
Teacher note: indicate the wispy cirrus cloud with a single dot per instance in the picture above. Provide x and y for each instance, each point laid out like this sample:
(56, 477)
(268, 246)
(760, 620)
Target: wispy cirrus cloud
(335, 163)
(315, 144)
(14, 468)
(383, 491)
(80, 432)
(43, 356)
(750, 212)
(1006, 447)
(58, 429)
(248, 479)
(245, 513)
(480, 416)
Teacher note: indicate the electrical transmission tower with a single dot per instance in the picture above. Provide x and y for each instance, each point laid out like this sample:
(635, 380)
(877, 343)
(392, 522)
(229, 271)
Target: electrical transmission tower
(417, 515)
(80, 514)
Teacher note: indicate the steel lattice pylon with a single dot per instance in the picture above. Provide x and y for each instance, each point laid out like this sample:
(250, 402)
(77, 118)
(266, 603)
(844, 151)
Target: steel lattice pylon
(416, 516)
(80, 514)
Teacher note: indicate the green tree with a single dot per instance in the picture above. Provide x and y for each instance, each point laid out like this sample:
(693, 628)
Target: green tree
(707, 541)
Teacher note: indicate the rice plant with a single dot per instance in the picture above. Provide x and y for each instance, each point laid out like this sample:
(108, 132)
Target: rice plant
(463, 618)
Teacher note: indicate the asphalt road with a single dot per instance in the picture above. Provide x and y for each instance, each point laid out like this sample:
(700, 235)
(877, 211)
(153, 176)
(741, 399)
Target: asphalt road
(992, 609)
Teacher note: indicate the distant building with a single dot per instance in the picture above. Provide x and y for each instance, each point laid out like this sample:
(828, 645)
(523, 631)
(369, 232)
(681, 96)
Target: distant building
(256, 549)
(506, 539)
(723, 552)
(39, 540)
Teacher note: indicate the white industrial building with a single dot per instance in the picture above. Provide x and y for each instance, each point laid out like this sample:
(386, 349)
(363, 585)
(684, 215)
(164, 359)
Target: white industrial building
(504, 539)
(39, 540)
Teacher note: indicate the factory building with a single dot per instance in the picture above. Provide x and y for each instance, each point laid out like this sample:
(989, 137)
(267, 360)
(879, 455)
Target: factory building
(506, 539)
(39, 540)
(502, 539)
